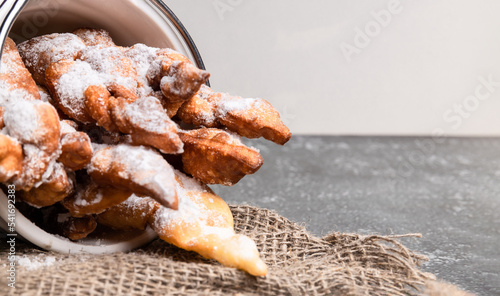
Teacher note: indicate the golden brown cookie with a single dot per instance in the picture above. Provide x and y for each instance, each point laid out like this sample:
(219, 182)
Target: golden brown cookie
(138, 169)
(250, 118)
(39, 52)
(216, 157)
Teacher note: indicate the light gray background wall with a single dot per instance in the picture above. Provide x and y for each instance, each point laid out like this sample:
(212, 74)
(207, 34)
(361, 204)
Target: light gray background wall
(357, 67)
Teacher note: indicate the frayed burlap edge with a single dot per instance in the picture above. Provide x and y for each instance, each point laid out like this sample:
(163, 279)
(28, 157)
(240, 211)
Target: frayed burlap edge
(299, 264)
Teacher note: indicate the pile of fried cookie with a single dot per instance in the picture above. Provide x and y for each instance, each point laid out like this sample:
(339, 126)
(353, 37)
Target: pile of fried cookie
(128, 138)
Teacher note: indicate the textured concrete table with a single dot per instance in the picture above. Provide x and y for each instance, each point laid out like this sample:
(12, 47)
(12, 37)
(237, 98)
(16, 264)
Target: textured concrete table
(446, 189)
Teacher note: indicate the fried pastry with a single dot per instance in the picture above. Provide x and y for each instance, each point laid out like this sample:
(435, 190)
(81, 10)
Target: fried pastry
(76, 228)
(167, 70)
(203, 224)
(143, 118)
(90, 198)
(54, 187)
(133, 213)
(35, 125)
(39, 52)
(138, 169)
(250, 118)
(169, 107)
(156, 129)
(180, 79)
(126, 113)
(109, 159)
(76, 148)
(2, 124)
(214, 156)
(94, 37)
(32, 122)
(67, 81)
(13, 74)
(97, 104)
(47, 98)
(112, 65)
(11, 158)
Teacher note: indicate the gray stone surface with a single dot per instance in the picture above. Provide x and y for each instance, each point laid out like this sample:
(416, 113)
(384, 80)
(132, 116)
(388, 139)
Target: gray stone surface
(446, 189)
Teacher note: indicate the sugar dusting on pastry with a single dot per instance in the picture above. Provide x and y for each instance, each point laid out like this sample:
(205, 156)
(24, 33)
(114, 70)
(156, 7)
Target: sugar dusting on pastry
(138, 165)
(144, 61)
(157, 120)
(235, 104)
(55, 46)
(39, 52)
(66, 127)
(72, 85)
(8, 94)
(21, 120)
(134, 204)
(112, 64)
(81, 201)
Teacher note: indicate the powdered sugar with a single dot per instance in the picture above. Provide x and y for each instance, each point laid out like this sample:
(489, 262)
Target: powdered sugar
(192, 210)
(36, 262)
(207, 117)
(188, 184)
(82, 202)
(72, 85)
(93, 37)
(35, 164)
(53, 172)
(101, 66)
(22, 120)
(51, 48)
(140, 165)
(112, 64)
(168, 82)
(210, 106)
(181, 71)
(222, 232)
(228, 104)
(156, 120)
(89, 37)
(45, 97)
(66, 127)
(132, 201)
(10, 65)
(8, 94)
(188, 212)
(135, 204)
(144, 62)
(142, 56)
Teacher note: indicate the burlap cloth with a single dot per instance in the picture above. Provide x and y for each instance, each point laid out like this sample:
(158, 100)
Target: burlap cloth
(299, 264)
